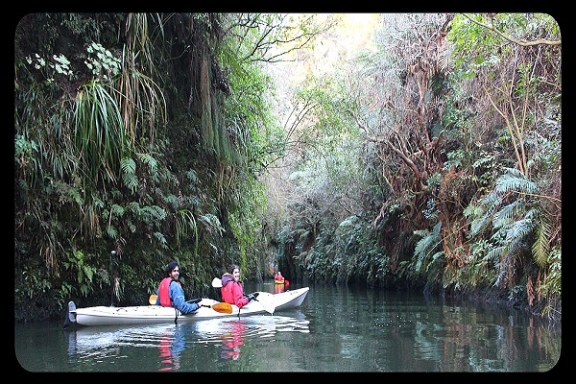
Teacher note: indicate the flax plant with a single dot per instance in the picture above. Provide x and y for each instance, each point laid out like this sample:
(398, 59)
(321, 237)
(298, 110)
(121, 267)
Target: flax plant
(99, 132)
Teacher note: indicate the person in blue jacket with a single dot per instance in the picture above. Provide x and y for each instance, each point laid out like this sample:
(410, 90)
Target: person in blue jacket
(170, 292)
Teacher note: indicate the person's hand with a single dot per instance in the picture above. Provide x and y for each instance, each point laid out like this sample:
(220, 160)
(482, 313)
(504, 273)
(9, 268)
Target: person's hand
(252, 296)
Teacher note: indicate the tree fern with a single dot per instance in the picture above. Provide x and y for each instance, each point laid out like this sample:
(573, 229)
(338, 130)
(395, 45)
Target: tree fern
(541, 245)
(427, 245)
(506, 214)
(513, 180)
(521, 229)
(482, 216)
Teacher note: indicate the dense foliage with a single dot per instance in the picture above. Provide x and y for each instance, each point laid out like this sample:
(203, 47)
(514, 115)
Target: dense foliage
(432, 161)
(138, 134)
(437, 162)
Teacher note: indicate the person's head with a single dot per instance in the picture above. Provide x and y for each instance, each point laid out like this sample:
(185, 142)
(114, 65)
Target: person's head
(234, 270)
(173, 270)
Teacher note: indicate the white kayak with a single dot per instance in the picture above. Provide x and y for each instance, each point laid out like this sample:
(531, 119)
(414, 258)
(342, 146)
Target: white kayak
(209, 309)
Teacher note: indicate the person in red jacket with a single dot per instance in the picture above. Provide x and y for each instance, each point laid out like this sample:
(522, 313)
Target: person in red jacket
(232, 289)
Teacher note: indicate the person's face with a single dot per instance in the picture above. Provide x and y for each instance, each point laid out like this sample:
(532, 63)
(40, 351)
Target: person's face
(236, 274)
(175, 274)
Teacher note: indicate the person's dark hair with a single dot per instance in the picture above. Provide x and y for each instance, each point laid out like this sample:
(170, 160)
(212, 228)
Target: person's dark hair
(170, 267)
(232, 267)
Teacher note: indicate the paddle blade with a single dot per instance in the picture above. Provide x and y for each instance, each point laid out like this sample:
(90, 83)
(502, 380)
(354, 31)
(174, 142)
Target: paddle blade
(222, 308)
(217, 283)
(152, 299)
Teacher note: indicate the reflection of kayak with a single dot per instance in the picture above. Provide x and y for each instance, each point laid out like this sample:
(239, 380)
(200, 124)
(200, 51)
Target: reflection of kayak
(104, 340)
(86, 339)
(259, 324)
(149, 314)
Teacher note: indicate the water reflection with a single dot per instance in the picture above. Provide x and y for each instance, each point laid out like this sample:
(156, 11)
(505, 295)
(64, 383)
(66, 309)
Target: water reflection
(336, 330)
(172, 343)
(230, 334)
(231, 342)
(107, 343)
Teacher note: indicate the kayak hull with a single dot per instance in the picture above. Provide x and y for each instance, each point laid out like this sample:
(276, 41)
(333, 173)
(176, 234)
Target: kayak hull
(150, 314)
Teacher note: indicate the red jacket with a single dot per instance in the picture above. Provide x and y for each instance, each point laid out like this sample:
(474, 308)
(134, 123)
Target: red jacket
(164, 293)
(233, 291)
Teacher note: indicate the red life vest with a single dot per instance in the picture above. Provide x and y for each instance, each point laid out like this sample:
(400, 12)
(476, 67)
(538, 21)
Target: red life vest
(164, 292)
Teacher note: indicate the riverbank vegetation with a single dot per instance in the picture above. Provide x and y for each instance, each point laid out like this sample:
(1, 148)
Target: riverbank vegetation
(428, 159)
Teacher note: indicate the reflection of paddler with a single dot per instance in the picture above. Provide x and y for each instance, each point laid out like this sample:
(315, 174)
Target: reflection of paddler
(233, 341)
(171, 345)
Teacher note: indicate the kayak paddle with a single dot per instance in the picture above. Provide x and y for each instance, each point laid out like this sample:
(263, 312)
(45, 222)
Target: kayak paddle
(218, 307)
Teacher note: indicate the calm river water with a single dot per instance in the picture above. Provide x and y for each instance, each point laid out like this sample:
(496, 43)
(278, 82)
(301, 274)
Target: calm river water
(335, 330)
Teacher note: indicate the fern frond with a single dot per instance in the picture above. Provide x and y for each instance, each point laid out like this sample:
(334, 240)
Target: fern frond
(522, 228)
(484, 213)
(426, 245)
(130, 181)
(149, 160)
(160, 237)
(128, 165)
(117, 210)
(495, 253)
(172, 200)
(111, 231)
(514, 180)
(541, 245)
(505, 215)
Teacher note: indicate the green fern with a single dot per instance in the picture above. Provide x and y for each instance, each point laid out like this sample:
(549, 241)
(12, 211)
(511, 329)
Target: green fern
(541, 246)
(162, 239)
(213, 222)
(514, 180)
(117, 210)
(522, 228)
(128, 165)
(112, 232)
(427, 244)
(149, 160)
(506, 214)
